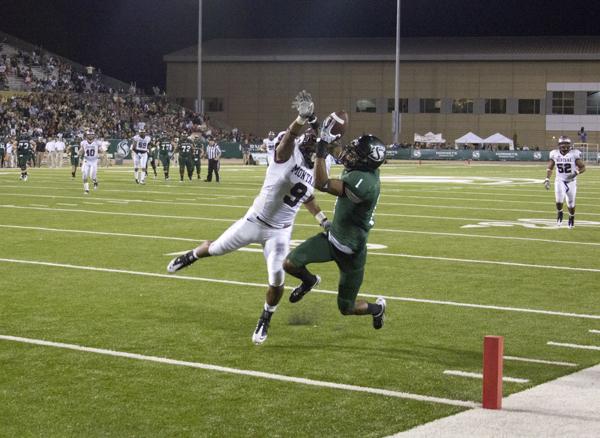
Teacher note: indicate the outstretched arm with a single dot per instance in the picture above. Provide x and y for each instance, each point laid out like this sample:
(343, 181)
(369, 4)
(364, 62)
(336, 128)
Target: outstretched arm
(305, 106)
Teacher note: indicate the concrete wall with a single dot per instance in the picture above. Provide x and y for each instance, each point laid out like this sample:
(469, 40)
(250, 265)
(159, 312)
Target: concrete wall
(257, 95)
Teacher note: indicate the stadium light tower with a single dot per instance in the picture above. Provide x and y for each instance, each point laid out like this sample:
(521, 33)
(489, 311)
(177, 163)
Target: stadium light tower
(199, 77)
(396, 123)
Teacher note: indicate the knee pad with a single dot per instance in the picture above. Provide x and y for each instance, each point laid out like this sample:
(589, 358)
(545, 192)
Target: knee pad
(346, 307)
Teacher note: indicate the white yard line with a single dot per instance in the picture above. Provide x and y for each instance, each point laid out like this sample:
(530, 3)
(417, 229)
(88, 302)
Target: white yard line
(329, 292)
(576, 346)
(66, 205)
(540, 361)
(480, 376)
(250, 373)
(39, 205)
(376, 253)
(597, 332)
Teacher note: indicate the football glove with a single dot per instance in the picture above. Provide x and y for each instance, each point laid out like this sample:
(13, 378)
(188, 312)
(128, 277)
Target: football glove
(547, 183)
(304, 104)
(325, 133)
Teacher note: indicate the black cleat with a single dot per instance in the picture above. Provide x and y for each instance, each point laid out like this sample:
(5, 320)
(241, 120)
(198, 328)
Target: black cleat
(559, 218)
(571, 221)
(181, 261)
(299, 292)
(260, 332)
(380, 317)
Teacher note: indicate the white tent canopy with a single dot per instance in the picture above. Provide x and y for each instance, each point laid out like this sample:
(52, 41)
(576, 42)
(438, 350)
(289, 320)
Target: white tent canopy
(469, 138)
(498, 138)
(430, 137)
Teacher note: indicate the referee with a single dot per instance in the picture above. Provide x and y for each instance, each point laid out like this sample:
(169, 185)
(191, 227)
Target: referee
(213, 153)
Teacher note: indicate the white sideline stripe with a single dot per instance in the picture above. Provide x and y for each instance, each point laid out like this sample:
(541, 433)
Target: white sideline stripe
(38, 205)
(66, 205)
(323, 291)
(597, 332)
(259, 374)
(480, 376)
(579, 346)
(545, 362)
(491, 262)
(488, 262)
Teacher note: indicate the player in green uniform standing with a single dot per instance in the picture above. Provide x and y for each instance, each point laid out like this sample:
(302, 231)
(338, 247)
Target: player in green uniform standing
(2, 152)
(197, 155)
(357, 193)
(165, 152)
(73, 152)
(25, 152)
(186, 149)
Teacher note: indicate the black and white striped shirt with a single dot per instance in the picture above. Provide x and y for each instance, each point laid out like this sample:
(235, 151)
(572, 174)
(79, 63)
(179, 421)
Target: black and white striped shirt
(213, 152)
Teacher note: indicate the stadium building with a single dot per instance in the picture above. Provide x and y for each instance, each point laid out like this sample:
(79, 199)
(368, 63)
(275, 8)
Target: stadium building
(531, 89)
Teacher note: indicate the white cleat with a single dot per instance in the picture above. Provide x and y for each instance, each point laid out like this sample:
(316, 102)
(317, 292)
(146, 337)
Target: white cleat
(260, 332)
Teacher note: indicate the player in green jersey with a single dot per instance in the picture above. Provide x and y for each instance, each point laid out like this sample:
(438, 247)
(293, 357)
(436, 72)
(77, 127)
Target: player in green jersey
(154, 158)
(25, 152)
(186, 149)
(197, 155)
(357, 192)
(165, 152)
(73, 152)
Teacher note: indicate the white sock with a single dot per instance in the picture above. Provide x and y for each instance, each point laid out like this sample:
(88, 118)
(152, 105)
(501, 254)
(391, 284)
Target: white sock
(270, 308)
(86, 186)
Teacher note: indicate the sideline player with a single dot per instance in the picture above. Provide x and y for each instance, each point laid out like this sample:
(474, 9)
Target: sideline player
(568, 165)
(269, 147)
(141, 142)
(288, 184)
(89, 151)
(357, 193)
(198, 154)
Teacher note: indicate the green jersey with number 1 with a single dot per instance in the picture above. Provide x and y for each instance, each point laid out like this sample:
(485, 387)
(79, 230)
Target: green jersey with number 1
(353, 215)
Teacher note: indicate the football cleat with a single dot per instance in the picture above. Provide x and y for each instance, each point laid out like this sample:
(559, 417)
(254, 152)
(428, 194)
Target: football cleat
(137, 181)
(95, 186)
(559, 218)
(571, 221)
(299, 292)
(260, 332)
(86, 192)
(380, 317)
(181, 261)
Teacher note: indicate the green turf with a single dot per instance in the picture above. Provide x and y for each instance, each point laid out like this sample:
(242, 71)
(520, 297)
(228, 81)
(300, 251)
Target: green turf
(45, 391)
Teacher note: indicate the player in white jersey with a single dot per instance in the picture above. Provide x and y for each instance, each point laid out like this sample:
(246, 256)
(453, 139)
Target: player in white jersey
(269, 147)
(288, 184)
(89, 152)
(568, 165)
(140, 148)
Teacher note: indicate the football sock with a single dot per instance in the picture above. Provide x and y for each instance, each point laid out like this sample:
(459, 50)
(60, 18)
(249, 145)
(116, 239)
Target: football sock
(86, 187)
(374, 309)
(270, 309)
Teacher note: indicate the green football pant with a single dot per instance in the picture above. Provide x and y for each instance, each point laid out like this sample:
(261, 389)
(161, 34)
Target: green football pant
(318, 249)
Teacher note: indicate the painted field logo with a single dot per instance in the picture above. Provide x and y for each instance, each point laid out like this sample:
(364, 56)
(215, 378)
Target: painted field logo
(530, 223)
(123, 149)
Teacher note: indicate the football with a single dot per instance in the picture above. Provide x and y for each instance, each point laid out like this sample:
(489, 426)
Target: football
(340, 120)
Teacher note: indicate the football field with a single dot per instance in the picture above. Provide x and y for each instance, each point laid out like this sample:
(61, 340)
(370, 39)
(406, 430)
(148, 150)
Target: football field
(97, 339)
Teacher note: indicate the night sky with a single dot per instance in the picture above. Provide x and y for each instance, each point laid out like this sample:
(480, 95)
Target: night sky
(127, 38)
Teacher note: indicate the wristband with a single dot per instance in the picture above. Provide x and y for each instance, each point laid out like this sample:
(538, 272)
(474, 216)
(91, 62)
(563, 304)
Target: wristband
(320, 217)
(321, 149)
(300, 120)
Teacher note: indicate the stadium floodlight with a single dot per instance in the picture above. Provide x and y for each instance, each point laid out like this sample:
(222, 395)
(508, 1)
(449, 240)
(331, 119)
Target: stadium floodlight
(199, 106)
(397, 119)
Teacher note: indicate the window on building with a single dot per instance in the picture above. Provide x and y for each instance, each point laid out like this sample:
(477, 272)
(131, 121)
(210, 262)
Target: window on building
(563, 102)
(402, 105)
(213, 104)
(366, 105)
(529, 106)
(495, 106)
(593, 102)
(462, 106)
(430, 105)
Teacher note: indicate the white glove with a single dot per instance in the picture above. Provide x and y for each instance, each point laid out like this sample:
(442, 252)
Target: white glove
(547, 183)
(325, 133)
(573, 175)
(304, 104)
